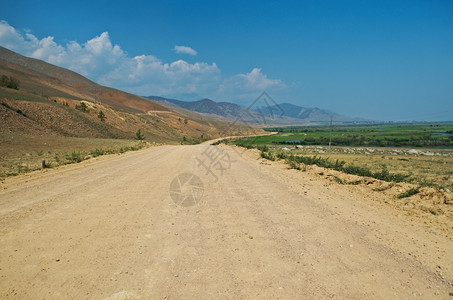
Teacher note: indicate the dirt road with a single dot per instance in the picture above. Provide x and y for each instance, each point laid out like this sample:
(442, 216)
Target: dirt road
(109, 228)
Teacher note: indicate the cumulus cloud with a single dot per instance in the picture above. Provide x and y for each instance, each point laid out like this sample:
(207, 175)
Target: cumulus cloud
(106, 63)
(185, 50)
(255, 80)
(147, 75)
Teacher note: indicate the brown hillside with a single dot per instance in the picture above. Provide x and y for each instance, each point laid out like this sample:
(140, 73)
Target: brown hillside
(48, 98)
(46, 79)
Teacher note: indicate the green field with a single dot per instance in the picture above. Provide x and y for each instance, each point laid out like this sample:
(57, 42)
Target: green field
(384, 135)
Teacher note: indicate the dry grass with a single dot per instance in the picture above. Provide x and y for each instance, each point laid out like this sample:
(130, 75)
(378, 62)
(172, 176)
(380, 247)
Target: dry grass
(435, 170)
(23, 153)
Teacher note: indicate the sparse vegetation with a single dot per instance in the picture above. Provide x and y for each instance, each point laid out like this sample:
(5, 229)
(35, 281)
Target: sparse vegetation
(26, 154)
(341, 166)
(424, 167)
(295, 161)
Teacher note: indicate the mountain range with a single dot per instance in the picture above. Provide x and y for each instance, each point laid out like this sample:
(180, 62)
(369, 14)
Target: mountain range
(261, 113)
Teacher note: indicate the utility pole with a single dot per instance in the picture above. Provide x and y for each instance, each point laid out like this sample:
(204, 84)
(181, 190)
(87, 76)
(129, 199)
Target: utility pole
(330, 139)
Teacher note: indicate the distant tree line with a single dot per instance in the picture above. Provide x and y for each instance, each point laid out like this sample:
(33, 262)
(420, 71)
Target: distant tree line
(9, 82)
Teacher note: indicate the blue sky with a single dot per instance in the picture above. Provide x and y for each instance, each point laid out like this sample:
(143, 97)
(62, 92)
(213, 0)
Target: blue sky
(386, 60)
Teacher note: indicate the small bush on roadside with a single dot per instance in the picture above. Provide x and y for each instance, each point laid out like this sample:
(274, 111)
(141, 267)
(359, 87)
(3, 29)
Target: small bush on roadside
(263, 148)
(282, 155)
(224, 141)
(293, 165)
(97, 152)
(74, 157)
(267, 155)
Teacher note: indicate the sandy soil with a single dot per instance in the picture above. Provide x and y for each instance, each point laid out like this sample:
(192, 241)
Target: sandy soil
(108, 228)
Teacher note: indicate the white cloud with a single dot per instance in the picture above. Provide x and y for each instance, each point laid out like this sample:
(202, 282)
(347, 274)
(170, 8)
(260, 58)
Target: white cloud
(255, 80)
(106, 63)
(147, 75)
(12, 39)
(185, 50)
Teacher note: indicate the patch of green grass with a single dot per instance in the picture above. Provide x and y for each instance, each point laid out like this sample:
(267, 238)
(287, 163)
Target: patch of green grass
(408, 193)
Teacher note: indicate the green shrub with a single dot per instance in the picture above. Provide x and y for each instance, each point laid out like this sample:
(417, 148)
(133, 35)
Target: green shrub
(263, 148)
(267, 155)
(293, 164)
(224, 141)
(139, 135)
(82, 107)
(97, 152)
(281, 155)
(9, 82)
(74, 157)
(101, 116)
